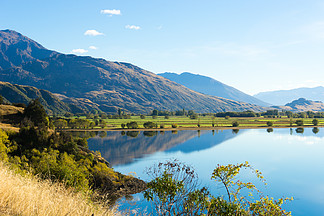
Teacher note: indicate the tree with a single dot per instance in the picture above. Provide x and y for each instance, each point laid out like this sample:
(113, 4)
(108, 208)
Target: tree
(149, 124)
(269, 123)
(299, 122)
(36, 113)
(235, 124)
(142, 116)
(173, 189)
(155, 112)
(315, 122)
(132, 125)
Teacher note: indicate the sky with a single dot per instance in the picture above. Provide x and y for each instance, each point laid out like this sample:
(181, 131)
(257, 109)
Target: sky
(252, 45)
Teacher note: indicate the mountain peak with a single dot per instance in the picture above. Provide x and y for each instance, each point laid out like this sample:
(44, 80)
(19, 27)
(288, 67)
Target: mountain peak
(16, 49)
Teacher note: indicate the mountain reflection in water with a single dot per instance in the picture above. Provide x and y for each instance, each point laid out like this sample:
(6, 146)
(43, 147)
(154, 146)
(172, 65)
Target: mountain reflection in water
(124, 147)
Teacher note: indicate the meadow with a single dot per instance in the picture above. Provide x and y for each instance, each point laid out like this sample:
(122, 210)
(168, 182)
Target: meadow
(205, 122)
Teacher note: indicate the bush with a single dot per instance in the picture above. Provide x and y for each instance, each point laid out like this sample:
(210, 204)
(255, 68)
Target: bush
(174, 125)
(194, 116)
(149, 124)
(166, 117)
(132, 125)
(235, 124)
(269, 123)
(142, 116)
(315, 122)
(154, 117)
(123, 125)
(227, 117)
(162, 126)
(174, 189)
(299, 122)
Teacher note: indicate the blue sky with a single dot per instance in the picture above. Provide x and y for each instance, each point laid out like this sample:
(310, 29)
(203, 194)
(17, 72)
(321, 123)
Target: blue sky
(251, 45)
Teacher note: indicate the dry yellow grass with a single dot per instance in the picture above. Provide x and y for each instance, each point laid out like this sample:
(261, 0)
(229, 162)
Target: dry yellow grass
(32, 196)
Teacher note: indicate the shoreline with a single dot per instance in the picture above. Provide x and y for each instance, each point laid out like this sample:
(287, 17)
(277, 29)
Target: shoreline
(188, 128)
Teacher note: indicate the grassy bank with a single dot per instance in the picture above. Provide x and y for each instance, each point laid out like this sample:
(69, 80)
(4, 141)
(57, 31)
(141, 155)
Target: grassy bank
(33, 196)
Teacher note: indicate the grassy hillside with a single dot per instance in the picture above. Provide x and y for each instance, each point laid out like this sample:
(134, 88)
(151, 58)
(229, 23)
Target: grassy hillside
(30, 195)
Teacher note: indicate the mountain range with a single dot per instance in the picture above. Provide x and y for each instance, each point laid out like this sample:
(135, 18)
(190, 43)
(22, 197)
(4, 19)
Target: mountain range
(302, 105)
(109, 85)
(211, 86)
(282, 97)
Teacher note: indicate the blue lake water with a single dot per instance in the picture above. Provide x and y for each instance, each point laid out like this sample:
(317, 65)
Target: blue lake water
(291, 161)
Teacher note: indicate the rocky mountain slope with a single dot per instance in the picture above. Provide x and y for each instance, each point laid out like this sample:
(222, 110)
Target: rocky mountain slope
(111, 85)
(212, 87)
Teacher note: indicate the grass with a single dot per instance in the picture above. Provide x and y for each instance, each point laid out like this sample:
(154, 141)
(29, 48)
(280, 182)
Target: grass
(31, 196)
(206, 121)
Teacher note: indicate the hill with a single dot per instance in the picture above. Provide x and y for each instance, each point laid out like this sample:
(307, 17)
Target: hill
(284, 96)
(113, 85)
(212, 87)
(303, 105)
(21, 94)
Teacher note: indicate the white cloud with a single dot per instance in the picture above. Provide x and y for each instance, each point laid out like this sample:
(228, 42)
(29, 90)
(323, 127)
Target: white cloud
(93, 47)
(133, 27)
(111, 12)
(93, 33)
(79, 51)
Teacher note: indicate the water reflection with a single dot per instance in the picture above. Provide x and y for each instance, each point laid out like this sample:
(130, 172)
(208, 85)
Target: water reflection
(235, 131)
(124, 147)
(315, 130)
(300, 130)
(270, 130)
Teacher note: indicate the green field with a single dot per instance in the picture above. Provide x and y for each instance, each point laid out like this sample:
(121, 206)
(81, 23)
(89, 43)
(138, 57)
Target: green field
(204, 122)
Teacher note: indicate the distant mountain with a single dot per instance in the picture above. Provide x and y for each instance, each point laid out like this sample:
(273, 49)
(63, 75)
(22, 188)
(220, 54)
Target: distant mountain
(110, 85)
(16, 49)
(284, 96)
(303, 105)
(212, 87)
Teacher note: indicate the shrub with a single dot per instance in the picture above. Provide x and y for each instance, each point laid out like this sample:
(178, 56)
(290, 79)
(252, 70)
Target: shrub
(269, 123)
(154, 117)
(315, 122)
(166, 117)
(142, 116)
(149, 124)
(162, 126)
(194, 116)
(227, 117)
(123, 125)
(299, 122)
(174, 125)
(132, 125)
(235, 124)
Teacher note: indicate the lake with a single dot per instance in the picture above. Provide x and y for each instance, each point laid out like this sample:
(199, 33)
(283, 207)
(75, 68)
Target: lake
(291, 161)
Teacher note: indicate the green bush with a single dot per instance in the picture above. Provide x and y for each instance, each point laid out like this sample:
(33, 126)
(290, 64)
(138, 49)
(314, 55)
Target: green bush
(142, 116)
(299, 122)
(149, 124)
(235, 124)
(269, 123)
(315, 122)
(132, 125)
(174, 125)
